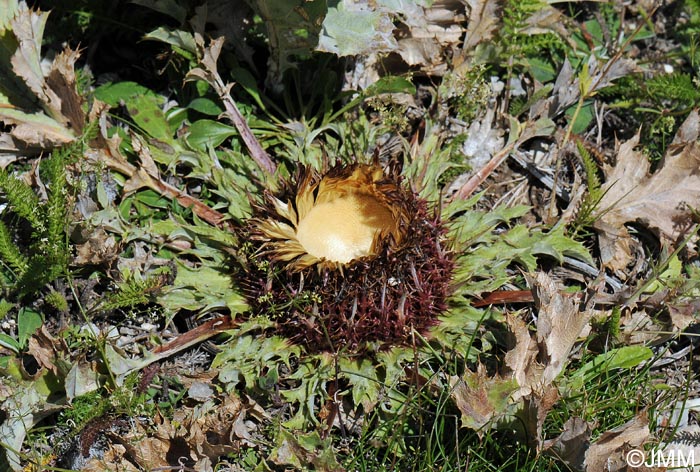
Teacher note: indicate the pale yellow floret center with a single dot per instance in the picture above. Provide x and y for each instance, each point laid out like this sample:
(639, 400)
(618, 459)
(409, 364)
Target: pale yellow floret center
(344, 228)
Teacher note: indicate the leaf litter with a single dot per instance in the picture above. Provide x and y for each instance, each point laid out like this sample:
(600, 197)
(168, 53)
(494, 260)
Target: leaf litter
(42, 111)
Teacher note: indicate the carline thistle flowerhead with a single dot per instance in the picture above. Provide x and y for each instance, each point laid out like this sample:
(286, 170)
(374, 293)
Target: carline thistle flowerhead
(346, 259)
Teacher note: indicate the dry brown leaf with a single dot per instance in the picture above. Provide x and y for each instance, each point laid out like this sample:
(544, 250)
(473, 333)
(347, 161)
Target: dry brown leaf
(609, 452)
(62, 118)
(684, 313)
(62, 81)
(535, 363)
(567, 87)
(522, 358)
(28, 27)
(46, 349)
(604, 74)
(427, 38)
(152, 450)
(208, 429)
(483, 21)
(535, 411)
(10, 149)
(571, 445)
(638, 328)
(658, 201)
(546, 20)
(36, 129)
(427, 35)
(565, 92)
(559, 324)
(99, 248)
(196, 436)
(481, 398)
(113, 459)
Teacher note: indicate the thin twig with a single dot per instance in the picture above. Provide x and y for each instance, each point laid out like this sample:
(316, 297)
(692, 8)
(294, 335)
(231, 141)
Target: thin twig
(209, 73)
(259, 155)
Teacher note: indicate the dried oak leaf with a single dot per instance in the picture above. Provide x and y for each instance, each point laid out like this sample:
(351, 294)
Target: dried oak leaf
(660, 201)
(521, 360)
(46, 349)
(28, 28)
(58, 118)
(98, 248)
(428, 34)
(210, 430)
(196, 436)
(481, 398)
(535, 363)
(10, 149)
(483, 23)
(609, 452)
(559, 324)
(571, 445)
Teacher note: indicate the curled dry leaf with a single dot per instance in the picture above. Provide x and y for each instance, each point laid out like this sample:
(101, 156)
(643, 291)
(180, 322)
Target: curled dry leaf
(197, 435)
(481, 398)
(28, 27)
(10, 149)
(59, 118)
(424, 35)
(97, 248)
(609, 452)
(569, 86)
(47, 350)
(62, 81)
(637, 328)
(483, 21)
(427, 34)
(571, 445)
(522, 358)
(559, 324)
(535, 362)
(660, 201)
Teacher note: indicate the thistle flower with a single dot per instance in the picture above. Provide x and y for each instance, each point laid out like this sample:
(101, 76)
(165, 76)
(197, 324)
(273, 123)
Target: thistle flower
(347, 258)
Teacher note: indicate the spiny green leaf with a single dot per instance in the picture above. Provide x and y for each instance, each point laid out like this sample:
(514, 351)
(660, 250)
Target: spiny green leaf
(202, 289)
(312, 373)
(247, 355)
(365, 385)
